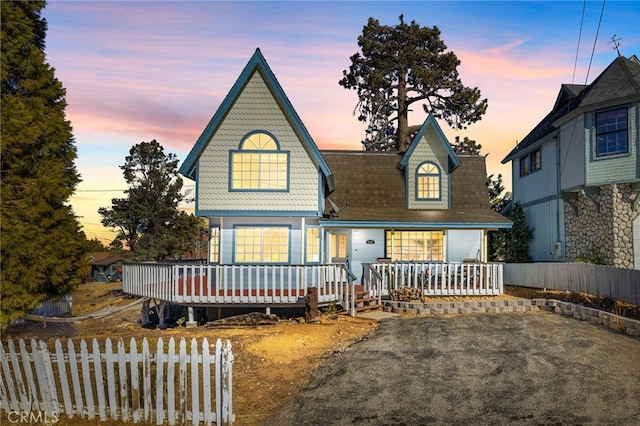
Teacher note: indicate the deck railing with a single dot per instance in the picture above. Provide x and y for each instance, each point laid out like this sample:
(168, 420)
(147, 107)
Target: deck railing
(443, 279)
(234, 284)
(272, 285)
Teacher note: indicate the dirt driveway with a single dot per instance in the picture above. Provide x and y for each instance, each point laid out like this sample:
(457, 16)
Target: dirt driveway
(498, 369)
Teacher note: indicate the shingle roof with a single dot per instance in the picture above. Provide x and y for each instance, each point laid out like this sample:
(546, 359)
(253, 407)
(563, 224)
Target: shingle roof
(621, 79)
(375, 189)
(107, 261)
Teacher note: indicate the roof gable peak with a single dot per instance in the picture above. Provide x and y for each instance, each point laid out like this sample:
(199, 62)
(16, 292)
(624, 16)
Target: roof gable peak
(257, 63)
(430, 122)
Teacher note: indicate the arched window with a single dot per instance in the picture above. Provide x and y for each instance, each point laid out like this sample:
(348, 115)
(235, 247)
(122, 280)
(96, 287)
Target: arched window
(428, 182)
(259, 164)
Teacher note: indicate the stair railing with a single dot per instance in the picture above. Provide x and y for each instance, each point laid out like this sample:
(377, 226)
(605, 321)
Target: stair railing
(349, 293)
(372, 281)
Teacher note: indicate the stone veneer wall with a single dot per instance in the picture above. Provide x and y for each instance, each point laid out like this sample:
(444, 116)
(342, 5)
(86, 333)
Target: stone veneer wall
(602, 236)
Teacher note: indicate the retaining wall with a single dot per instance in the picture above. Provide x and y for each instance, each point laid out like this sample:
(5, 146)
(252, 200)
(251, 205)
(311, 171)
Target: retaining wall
(615, 322)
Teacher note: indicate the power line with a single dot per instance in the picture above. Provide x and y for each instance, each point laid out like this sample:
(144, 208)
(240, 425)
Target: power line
(575, 63)
(100, 190)
(120, 190)
(595, 40)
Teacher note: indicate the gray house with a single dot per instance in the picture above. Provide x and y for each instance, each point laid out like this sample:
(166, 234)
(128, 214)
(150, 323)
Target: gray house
(577, 173)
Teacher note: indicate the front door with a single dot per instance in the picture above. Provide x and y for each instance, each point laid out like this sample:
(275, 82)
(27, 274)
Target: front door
(339, 247)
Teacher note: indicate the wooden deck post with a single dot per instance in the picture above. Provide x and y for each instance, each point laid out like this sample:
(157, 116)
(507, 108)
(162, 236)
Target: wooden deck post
(145, 313)
(191, 322)
(311, 304)
(160, 307)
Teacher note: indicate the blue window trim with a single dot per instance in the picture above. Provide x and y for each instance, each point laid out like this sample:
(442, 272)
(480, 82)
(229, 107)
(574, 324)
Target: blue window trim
(418, 174)
(401, 230)
(249, 151)
(255, 132)
(253, 225)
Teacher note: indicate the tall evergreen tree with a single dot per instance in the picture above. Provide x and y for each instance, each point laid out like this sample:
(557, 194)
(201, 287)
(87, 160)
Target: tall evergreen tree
(512, 245)
(149, 222)
(42, 246)
(402, 65)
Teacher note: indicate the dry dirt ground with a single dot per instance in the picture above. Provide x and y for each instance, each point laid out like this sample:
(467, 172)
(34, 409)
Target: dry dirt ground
(272, 362)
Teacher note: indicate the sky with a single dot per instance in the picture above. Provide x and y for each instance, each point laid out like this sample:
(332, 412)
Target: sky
(143, 70)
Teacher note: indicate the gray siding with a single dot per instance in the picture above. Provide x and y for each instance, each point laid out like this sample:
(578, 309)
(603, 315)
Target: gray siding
(539, 184)
(256, 109)
(543, 219)
(572, 154)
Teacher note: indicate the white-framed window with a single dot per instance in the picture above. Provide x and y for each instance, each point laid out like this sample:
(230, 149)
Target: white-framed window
(259, 164)
(415, 245)
(312, 241)
(428, 181)
(214, 242)
(611, 132)
(257, 244)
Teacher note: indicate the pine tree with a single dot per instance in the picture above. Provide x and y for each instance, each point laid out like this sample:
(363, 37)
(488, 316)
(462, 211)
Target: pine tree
(403, 65)
(512, 245)
(149, 222)
(43, 249)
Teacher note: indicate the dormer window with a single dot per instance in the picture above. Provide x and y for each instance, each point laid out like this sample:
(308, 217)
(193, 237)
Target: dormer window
(259, 164)
(428, 181)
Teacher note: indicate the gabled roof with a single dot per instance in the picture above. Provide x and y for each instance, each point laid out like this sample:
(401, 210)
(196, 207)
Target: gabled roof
(619, 81)
(567, 93)
(375, 186)
(454, 161)
(99, 259)
(257, 63)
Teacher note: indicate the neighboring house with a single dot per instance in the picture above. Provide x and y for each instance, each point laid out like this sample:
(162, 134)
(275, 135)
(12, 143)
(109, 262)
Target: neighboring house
(105, 267)
(272, 197)
(577, 173)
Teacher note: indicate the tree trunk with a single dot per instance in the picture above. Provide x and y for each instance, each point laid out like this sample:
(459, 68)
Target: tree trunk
(311, 305)
(403, 120)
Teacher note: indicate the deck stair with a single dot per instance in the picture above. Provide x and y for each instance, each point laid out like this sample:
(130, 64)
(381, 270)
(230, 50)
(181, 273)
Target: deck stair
(364, 302)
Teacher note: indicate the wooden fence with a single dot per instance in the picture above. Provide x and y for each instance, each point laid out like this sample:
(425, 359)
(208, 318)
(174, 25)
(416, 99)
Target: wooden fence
(51, 308)
(606, 281)
(178, 387)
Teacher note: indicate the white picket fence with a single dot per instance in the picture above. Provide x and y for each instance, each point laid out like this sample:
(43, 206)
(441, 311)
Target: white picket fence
(179, 387)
